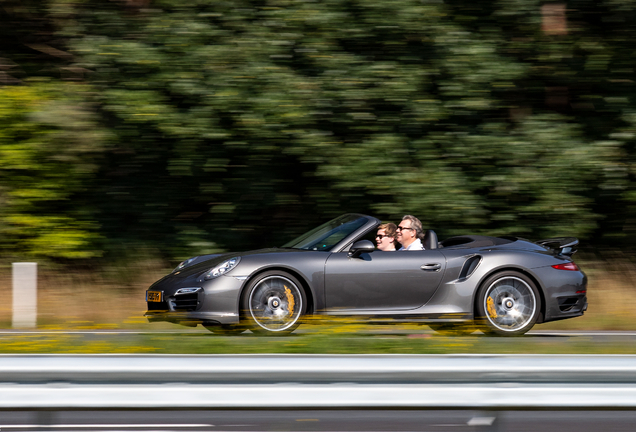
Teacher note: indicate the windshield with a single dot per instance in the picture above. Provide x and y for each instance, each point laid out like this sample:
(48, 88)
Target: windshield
(329, 234)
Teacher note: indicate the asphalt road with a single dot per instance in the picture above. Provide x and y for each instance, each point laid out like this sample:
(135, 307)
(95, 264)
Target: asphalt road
(323, 421)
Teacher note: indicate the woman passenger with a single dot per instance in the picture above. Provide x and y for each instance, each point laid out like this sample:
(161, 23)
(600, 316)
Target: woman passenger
(385, 238)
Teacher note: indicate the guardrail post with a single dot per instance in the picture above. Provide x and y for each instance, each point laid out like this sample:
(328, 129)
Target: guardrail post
(25, 294)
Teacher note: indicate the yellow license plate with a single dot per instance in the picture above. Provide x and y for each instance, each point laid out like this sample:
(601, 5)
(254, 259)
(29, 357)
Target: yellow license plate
(154, 296)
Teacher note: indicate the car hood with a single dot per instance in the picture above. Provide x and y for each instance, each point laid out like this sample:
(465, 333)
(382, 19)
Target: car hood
(202, 264)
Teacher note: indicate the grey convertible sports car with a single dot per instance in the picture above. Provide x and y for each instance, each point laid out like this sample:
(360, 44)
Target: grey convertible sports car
(505, 285)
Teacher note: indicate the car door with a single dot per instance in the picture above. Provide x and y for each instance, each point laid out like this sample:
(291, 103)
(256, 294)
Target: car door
(381, 281)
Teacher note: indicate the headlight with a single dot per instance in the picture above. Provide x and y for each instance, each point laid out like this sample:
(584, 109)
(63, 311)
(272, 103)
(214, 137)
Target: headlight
(222, 268)
(184, 264)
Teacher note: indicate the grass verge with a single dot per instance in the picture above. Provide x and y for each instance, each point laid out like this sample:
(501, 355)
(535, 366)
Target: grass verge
(312, 340)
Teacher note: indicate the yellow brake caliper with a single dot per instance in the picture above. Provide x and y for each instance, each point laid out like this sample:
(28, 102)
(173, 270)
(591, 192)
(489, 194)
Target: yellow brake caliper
(492, 311)
(290, 299)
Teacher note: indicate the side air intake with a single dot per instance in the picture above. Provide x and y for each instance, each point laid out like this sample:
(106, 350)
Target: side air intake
(469, 266)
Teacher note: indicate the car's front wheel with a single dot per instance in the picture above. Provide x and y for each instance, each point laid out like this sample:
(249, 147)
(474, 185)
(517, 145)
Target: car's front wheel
(508, 304)
(273, 303)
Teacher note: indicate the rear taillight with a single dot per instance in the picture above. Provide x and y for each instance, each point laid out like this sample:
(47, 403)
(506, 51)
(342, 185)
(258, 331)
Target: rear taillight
(566, 266)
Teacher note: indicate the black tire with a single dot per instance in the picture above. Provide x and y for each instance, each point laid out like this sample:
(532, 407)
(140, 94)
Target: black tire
(508, 304)
(453, 329)
(273, 303)
(225, 329)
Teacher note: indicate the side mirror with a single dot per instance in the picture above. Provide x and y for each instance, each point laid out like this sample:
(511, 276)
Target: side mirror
(361, 247)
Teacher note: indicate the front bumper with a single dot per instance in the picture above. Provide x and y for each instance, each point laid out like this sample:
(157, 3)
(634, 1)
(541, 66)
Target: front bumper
(192, 318)
(212, 302)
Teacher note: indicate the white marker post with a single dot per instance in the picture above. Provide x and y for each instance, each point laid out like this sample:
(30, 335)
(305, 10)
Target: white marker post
(25, 295)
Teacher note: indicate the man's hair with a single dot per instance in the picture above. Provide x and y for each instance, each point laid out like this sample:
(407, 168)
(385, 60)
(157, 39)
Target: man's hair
(417, 225)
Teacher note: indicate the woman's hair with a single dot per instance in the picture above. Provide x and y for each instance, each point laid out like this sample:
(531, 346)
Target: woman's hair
(390, 229)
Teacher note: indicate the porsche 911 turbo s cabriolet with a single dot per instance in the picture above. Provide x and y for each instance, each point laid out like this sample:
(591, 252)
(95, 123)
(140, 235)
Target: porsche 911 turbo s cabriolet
(504, 285)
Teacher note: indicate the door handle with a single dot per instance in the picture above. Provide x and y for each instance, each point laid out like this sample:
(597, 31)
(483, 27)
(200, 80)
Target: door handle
(431, 267)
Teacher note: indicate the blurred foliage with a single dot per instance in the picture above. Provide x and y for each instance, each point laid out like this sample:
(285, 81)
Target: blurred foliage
(209, 125)
(48, 144)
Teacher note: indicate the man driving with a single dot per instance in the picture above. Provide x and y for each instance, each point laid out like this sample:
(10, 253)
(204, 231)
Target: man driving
(409, 233)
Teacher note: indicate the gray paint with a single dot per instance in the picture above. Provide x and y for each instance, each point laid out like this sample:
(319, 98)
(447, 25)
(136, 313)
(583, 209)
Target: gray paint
(382, 281)
(378, 283)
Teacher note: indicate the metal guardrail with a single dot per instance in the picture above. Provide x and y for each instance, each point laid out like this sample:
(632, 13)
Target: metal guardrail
(485, 382)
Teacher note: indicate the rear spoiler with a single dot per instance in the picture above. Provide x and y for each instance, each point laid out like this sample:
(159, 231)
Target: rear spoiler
(561, 245)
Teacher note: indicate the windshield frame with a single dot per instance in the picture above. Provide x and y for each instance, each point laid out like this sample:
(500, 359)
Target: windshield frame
(361, 225)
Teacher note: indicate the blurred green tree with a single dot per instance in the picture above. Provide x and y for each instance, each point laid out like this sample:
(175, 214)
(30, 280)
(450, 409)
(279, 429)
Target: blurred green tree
(239, 124)
(49, 144)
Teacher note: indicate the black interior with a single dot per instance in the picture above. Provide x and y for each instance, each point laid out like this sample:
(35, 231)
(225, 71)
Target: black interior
(472, 241)
(430, 240)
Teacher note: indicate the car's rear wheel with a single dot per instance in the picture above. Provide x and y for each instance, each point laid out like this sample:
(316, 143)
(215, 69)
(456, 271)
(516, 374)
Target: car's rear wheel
(453, 329)
(508, 304)
(273, 303)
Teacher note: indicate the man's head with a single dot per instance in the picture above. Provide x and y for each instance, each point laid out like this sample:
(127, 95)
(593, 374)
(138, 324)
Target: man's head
(385, 238)
(409, 230)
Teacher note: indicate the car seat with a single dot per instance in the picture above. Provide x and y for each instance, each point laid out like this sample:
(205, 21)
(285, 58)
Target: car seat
(430, 240)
